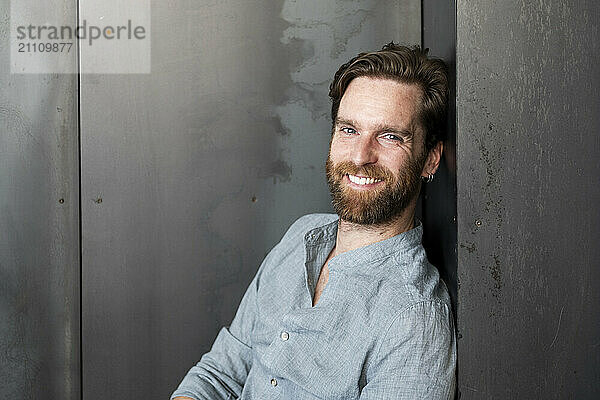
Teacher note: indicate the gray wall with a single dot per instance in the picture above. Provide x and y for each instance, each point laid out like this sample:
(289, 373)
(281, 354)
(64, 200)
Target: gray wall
(203, 164)
(39, 233)
(201, 167)
(528, 222)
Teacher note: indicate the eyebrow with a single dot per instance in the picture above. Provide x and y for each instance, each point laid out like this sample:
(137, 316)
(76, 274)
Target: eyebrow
(378, 128)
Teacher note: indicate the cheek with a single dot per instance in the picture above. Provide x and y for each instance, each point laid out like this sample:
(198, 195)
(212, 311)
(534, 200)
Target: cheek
(394, 162)
(336, 151)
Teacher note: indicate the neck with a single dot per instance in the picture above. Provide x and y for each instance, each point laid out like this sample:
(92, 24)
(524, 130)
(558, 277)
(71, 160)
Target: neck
(352, 236)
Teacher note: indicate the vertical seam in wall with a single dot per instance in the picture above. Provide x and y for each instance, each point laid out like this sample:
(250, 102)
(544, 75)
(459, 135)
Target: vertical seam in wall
(422, 25)
(423, 187)
(78, 61)
(457, 392)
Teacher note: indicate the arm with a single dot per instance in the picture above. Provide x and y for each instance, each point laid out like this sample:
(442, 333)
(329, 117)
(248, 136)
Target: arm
(223, 370)
(417, 357)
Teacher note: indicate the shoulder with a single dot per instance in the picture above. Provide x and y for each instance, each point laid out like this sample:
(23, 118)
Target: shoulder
(422, 314)
(291, 245)
(293, 239)
(408, 281)
(306, 223)
(419, 310)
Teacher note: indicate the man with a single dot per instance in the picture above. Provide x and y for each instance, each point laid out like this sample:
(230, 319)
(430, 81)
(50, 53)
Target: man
(347, 306)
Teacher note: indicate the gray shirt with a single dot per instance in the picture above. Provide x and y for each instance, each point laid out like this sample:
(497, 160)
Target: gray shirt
(382, 328)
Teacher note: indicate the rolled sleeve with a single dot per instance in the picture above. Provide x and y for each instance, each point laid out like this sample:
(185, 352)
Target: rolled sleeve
(417, 356)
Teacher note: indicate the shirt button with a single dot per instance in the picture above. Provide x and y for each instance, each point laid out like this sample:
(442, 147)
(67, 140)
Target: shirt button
(285, 336)
(273, 382)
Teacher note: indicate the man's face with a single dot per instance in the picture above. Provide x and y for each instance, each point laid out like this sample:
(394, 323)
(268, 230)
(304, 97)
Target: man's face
(377, 153)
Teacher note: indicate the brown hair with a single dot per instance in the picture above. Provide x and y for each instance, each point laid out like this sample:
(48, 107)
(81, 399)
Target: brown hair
(408, 65)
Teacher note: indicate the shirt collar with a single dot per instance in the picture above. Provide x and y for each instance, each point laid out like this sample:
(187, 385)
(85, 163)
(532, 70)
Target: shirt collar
(398, 244)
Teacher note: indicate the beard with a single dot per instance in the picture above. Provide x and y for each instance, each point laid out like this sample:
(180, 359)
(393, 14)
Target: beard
(378, 205)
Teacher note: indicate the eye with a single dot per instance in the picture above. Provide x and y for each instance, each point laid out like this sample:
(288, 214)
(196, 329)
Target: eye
(349, 131)
(392, 137)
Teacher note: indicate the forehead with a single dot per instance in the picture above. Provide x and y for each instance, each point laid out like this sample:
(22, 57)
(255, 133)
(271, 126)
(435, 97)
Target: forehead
(377, 101)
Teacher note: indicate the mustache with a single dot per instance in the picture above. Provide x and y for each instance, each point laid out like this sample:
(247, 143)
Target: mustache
(372, 171)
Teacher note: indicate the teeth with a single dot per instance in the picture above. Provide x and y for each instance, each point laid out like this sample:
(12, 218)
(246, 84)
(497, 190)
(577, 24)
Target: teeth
(362, 180)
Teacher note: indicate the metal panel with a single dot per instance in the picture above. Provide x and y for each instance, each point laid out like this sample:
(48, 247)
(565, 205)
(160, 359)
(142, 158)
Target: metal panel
(528, 222)
(39, 228)
(200, 167)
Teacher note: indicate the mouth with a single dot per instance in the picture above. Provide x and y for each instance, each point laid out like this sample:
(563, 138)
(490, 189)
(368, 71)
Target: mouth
(363, 181)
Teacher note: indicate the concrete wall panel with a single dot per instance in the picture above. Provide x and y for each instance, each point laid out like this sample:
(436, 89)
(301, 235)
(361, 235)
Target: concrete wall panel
(527, 180)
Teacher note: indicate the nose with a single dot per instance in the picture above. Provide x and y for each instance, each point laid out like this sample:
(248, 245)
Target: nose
(364, 152)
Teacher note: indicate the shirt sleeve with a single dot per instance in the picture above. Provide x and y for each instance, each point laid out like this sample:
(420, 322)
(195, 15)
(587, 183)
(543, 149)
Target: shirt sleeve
(222, 372)
(417, 357)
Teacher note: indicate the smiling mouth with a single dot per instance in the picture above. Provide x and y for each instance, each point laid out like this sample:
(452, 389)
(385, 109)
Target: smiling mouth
(362, 180)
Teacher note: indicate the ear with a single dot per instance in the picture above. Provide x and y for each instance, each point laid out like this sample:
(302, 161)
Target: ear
(433, 159)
